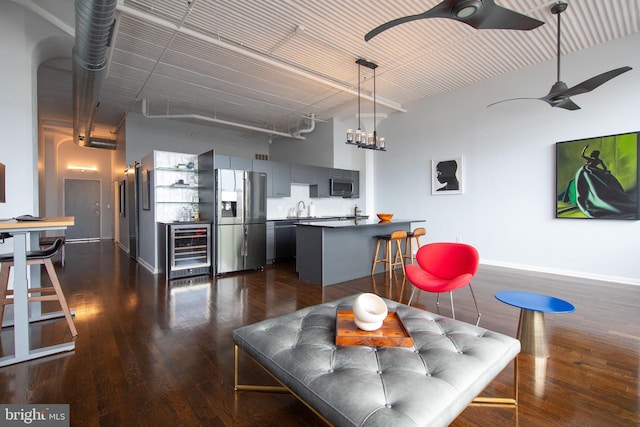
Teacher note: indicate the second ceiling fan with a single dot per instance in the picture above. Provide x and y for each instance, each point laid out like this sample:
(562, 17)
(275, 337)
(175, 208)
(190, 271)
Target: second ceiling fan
(560, 93)
(480, 14)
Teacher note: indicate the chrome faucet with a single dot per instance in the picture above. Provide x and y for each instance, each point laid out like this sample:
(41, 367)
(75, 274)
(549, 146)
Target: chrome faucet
(301, 209)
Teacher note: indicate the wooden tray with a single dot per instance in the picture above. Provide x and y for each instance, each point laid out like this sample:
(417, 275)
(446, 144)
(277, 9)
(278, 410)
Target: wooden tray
(391, 334)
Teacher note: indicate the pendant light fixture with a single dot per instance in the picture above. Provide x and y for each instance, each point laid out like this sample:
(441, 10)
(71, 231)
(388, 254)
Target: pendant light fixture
(360, 137)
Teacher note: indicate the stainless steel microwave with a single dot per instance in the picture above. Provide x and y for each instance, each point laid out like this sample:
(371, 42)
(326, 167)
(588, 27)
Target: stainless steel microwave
(341, 187)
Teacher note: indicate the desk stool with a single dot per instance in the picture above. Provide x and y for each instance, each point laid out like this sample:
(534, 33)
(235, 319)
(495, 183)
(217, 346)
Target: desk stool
(46, 241)
(38, 257)
(408, 243)
(398, 259)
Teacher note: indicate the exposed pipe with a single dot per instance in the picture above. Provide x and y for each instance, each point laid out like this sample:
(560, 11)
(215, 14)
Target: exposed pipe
(311, 127)
(94, 24)
(145, 112)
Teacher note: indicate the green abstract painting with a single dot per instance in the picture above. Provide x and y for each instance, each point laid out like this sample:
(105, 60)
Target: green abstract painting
(597, 178)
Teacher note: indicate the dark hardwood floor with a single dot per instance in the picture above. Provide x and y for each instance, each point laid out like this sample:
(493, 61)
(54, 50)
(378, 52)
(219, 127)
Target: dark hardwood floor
(151, 353)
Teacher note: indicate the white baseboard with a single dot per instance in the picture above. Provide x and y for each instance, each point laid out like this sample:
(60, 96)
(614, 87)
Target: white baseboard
(581, 274)
(147, 266)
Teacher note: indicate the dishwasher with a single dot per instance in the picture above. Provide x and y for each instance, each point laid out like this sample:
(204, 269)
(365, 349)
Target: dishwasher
(285, 239)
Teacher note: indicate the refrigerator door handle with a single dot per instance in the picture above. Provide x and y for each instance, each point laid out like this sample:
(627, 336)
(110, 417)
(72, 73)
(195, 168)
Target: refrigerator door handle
(245, 201)
(245, 243)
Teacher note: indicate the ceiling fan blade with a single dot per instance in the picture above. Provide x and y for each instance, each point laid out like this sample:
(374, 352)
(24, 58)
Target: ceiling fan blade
(371, 34)
(565, 103)
(594, 82)
(500, 18)
(480, 14)
(506, 100)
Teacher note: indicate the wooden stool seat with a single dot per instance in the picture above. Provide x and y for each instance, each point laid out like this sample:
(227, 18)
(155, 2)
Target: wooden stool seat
(408, 244)
(397, 236)
(36, 257)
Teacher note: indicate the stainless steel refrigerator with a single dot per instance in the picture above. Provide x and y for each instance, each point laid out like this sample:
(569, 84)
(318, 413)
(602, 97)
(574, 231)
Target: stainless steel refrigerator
(241, 220)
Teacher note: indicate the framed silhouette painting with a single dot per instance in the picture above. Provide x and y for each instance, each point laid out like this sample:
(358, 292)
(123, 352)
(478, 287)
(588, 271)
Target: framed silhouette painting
(446, 175)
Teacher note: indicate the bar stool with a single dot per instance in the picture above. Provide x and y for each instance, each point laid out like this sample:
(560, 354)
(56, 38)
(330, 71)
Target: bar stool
(37, 257)
(398, 259)
(408, 243)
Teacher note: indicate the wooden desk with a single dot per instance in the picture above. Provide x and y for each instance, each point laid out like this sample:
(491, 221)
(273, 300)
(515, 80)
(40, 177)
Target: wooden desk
(20, 232)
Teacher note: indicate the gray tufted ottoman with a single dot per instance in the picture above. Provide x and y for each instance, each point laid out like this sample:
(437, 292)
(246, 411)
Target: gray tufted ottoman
(429, 384)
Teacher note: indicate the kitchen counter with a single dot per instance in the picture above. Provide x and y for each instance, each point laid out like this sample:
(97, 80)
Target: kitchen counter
(329, 252)
(316, 218)
(356, 222)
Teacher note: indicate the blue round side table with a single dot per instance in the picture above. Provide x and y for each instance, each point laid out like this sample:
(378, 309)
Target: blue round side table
(531, 329)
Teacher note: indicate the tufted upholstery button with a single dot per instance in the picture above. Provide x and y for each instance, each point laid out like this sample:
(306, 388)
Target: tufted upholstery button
(379, 372)
(388, 406)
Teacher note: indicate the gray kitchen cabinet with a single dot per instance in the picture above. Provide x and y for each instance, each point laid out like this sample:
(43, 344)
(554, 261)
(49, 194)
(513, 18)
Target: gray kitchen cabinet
(261, 166)
(278, 177)
(303, 174)
(281, 179)
(240, 163)
(230, 162)
(265, 167)
(340, 173)
(316, 176)
(281, 175)
(321, 186)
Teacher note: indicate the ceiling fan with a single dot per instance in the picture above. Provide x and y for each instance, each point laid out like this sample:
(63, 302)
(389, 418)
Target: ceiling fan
(480, 14)
(560, 93)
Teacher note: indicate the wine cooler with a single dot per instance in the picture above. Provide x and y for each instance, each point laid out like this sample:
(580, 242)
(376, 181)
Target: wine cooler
(188, 249)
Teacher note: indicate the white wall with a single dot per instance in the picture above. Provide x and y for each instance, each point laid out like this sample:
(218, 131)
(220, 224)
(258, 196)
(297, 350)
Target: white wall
(316, 149)
(62, 153)
(508, 207)
(20, 34)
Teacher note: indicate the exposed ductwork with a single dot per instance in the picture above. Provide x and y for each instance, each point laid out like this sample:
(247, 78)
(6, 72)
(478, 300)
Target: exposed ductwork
(94, 25)
(311, 127)
(145, 112)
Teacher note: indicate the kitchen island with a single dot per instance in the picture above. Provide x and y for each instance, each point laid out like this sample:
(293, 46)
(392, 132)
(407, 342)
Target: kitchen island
(329, 252)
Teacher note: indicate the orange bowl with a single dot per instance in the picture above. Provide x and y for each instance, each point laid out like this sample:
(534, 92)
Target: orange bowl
(385, 216)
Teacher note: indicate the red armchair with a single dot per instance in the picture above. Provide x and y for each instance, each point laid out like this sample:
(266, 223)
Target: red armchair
(444, 267)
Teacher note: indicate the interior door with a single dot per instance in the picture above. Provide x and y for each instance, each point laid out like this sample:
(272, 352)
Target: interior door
(82, 201)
